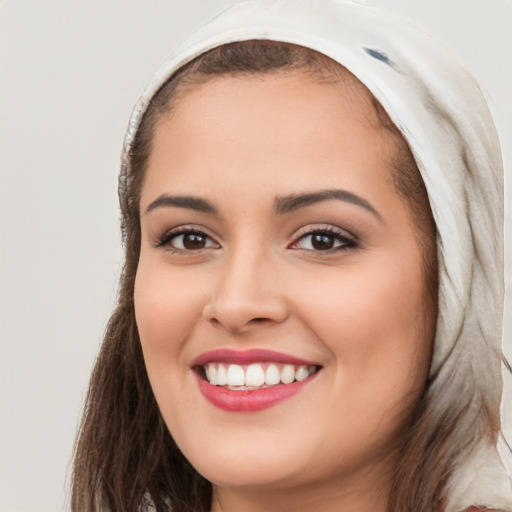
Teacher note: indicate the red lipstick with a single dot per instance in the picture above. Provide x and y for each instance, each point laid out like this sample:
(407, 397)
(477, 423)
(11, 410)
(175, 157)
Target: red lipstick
(227, 355)
(249, 400)
(259, 398)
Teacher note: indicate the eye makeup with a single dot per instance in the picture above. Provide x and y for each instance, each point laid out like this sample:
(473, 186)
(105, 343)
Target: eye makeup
(326, 239)
(186, 238)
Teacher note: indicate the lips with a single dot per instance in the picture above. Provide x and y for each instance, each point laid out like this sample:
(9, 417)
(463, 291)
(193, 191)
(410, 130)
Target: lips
(251, 380)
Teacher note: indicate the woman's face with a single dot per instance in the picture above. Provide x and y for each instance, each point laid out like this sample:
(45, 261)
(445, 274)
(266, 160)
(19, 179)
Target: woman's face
(275, 248)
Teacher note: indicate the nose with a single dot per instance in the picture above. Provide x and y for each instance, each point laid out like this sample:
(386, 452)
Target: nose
(247, 295)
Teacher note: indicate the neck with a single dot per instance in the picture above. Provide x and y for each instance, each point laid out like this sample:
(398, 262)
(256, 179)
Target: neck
(362, 492)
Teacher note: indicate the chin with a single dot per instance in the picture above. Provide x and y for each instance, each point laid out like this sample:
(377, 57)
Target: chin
(250, 462)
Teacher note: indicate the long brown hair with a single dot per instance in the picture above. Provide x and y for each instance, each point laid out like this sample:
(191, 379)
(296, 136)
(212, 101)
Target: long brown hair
(126, 460)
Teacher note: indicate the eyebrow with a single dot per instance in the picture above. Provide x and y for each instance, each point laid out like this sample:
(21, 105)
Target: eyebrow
(188, 202)
(282, 205)
(292, 202)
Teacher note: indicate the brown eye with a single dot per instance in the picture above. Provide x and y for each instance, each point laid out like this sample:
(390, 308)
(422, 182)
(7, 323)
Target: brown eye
(194, 241)
(188, 240)
(324, 240)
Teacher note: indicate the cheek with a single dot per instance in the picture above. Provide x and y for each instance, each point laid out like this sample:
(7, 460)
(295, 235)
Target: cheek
(374, 320)
(372, 324)
(167, 306)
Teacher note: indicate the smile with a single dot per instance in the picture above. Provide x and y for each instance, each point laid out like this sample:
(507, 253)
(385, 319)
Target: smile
(251, 380)
(255, 376)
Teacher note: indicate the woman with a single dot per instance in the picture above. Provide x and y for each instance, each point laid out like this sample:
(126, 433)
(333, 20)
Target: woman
(310, 311)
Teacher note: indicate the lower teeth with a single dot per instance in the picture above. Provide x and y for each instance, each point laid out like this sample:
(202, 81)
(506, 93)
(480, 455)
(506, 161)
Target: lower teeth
(250, 388)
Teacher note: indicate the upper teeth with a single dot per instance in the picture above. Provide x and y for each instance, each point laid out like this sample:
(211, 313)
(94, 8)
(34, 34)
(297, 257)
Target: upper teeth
(256, 374)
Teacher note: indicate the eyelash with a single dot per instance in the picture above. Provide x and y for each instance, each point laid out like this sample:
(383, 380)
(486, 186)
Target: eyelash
(166, 240)
(346, 242)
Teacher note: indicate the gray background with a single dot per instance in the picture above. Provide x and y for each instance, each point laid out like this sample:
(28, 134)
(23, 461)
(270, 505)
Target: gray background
(70, 72)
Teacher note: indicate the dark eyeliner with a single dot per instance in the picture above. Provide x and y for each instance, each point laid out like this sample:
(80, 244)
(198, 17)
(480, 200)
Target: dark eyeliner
(173, 233)
(347, 240)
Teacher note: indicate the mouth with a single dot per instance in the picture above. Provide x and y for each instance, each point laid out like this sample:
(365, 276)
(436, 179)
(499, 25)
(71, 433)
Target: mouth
(252, 380)
(260, 375)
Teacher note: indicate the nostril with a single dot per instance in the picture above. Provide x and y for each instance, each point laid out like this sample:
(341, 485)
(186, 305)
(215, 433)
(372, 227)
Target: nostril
(234, 326)
(259, 321)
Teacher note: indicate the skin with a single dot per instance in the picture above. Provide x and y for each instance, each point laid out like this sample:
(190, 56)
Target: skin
(359, 309)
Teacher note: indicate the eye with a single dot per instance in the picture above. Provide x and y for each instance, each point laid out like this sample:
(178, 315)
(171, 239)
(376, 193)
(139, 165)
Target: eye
(186, 239)
(324, 240)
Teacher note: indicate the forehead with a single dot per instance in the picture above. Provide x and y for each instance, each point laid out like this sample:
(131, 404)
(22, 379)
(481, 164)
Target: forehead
(279, 86)
(289, 124)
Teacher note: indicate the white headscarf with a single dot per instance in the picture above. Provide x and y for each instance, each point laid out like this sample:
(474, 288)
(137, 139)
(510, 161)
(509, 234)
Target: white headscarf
(442, 114)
